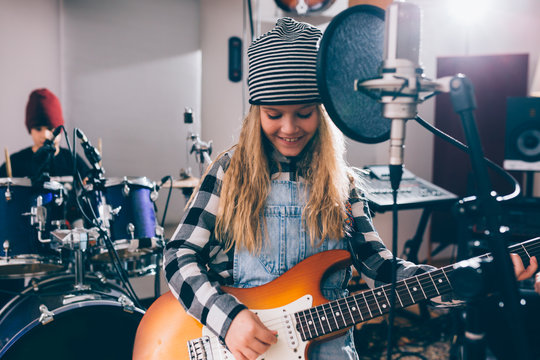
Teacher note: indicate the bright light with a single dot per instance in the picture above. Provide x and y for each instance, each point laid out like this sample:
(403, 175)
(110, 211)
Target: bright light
(468, 12)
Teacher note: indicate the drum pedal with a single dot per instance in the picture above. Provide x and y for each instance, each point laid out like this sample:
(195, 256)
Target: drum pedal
(46, 315)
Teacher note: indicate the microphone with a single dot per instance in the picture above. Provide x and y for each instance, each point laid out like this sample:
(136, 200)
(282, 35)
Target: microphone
(163, 181)
(55, 134)
(92, 154)
(399, 83)
(48, 146)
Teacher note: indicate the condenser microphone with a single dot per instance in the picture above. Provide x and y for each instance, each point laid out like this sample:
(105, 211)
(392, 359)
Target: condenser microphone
(400, 76)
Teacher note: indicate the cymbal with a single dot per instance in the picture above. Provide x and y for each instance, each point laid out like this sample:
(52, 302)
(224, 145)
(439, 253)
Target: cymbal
(190, 182)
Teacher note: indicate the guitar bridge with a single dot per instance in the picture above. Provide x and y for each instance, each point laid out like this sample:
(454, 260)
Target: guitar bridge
(200, 349)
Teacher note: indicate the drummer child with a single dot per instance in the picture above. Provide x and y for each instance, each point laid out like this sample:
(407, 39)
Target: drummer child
(43, 115)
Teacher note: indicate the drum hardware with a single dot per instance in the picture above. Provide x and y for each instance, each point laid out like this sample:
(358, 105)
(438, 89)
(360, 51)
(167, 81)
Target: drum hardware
(5, 245)
(57, 223)
(46, 315)
(201, 148)
(100, 276)
(160, 232)
(131, 230)
(102, 199)
(126, 303)
(27, 215)
(126, 210)
(125, 190)
(38, 217)
(38, 213)
(34, 285)
(7, 194)
(107, 214)
(154, 194)
(116, 261)
(77, 241)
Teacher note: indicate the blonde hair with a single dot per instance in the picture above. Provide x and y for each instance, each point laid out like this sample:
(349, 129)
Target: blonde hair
(247, 181)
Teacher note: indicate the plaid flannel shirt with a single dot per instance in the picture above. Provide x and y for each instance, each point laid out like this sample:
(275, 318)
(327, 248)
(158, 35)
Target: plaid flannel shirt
(196, 264)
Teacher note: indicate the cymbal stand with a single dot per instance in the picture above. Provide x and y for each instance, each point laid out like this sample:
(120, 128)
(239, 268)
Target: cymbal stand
(202, 149)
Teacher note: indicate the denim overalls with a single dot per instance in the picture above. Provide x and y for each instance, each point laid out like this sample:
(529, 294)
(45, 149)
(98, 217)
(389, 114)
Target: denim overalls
(286, 245)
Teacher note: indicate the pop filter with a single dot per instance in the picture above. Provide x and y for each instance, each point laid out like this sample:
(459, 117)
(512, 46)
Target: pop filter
(352, 49)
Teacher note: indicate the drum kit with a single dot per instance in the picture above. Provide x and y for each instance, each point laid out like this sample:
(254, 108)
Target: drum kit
(68, 247)
(64, 285)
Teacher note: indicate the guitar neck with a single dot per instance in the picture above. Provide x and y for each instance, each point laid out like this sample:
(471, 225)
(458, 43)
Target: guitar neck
(343, 313)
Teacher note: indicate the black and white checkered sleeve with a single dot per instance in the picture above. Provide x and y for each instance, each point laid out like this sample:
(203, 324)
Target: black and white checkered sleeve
(187, 256)
(372, 256)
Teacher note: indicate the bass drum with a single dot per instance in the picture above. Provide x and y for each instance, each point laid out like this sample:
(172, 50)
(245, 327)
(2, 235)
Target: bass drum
(51, 320)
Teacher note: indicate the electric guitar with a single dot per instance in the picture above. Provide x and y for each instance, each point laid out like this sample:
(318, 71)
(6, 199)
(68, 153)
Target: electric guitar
(294, 306)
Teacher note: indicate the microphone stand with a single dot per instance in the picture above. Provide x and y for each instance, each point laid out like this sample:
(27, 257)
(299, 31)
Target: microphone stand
(101, 221)
(42, 175)
(462, 96)
(202, 149)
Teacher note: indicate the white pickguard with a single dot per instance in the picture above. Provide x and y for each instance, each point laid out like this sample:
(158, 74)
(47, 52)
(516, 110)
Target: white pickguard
(289, 344)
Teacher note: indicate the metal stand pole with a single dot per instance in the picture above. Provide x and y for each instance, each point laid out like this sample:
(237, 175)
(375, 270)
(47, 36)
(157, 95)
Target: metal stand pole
(462, 95)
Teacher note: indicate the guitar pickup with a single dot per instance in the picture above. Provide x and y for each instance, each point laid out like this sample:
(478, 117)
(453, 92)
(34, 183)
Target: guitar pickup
(200, 349)
(291, 332)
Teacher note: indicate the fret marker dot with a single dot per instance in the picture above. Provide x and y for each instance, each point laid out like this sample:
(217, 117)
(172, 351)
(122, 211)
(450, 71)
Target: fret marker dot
(337, 314)
(354, 308)
(440, 280)
(414, 288)
(379, 293)
(323, 318)
(310, 322)
(384, 306)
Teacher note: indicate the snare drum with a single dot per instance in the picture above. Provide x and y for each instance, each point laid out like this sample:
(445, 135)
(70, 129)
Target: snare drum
(50, 320)
(22, 207)
(133, 227)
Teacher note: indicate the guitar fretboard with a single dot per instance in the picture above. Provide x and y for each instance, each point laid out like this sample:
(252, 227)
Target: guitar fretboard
(343, 313)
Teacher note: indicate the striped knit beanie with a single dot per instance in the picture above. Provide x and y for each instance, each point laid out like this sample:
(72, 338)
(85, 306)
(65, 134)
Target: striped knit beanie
(283, 65)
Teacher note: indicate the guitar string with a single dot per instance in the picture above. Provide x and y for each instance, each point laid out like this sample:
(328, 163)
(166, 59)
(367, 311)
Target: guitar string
(376, 298)
(425, 281)
(216, 346)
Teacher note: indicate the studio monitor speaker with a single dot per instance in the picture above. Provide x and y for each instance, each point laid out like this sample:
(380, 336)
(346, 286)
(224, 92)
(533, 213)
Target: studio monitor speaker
(522, 138)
